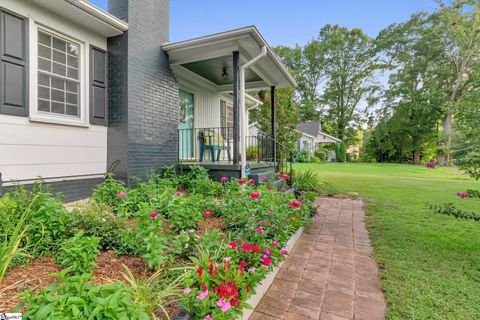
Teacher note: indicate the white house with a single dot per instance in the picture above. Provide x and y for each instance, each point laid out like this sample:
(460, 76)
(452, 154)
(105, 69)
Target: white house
(312, 137)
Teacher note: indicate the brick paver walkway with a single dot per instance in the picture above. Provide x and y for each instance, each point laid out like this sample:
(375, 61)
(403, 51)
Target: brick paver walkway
(330, 274)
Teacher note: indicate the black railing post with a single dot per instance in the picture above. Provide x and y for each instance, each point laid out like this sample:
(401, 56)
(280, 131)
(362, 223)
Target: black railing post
(236, 105)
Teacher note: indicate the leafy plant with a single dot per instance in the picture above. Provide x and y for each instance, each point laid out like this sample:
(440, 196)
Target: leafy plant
(450, 210)
(211, 239)
(307, 180)
(97, 220)
(107, 192)
(75, 298)
(473, 193)
(470, 164)
(78, 253)
(341, 152)
(153, 292)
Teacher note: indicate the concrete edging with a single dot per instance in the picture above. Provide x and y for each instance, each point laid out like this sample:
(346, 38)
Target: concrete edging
(263, 286)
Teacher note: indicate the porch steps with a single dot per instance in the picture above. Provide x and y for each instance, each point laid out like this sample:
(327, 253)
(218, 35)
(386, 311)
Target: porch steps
(257, 176)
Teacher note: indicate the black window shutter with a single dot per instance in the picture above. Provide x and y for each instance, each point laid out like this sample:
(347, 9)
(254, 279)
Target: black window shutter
(13, 64)
(98, 86)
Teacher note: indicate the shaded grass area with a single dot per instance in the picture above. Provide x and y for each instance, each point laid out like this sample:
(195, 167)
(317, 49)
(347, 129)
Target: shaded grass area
(430, 262)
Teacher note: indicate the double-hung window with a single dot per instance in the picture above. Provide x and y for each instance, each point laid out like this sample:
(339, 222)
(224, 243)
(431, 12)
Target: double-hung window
(58, 75)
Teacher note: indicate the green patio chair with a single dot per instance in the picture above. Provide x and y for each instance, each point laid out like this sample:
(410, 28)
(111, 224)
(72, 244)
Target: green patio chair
(212, 141)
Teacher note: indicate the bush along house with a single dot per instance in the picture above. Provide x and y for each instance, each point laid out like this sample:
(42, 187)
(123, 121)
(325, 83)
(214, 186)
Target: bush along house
(84, 91)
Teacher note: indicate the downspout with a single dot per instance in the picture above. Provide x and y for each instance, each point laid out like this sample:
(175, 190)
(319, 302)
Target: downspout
(243, 115)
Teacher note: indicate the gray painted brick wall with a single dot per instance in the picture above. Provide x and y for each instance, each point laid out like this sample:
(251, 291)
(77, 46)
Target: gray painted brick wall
(147, 112)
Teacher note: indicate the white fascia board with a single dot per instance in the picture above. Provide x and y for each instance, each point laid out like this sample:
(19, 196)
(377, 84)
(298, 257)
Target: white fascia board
(328, 136)
(101, 15)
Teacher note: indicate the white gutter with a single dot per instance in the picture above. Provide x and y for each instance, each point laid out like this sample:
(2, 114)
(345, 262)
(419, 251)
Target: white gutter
(101, 15)
(243, 111)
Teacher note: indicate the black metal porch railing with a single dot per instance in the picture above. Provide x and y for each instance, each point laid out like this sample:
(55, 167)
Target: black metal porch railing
(210, 145)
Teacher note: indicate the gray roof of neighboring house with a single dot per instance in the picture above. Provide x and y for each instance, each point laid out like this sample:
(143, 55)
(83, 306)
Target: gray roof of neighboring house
(311, 128)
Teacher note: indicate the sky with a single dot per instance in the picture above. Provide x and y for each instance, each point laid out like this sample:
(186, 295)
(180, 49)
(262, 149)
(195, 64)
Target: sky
(285, 22)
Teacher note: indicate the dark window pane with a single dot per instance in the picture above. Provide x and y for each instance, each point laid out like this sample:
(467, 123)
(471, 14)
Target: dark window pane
(43, 105)
(44, 52)
(72, 86)
(59, 69)
(72, 61)
(43, 80)
(44, 38)
(59, 44)
(72, 98)
(44, 93)
(45, 65)
(72, 110)
(59, 57)
(58, 95)
(58, 107)
(58, 83)
(72, 73)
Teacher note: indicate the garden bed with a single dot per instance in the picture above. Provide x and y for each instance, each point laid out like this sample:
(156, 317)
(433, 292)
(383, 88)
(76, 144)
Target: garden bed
(186, 242)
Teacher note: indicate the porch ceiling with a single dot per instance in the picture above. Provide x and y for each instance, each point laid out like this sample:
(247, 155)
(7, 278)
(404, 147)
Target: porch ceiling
(203, 61)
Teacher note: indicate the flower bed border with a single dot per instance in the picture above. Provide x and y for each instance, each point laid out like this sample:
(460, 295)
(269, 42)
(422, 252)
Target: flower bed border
(262, 288)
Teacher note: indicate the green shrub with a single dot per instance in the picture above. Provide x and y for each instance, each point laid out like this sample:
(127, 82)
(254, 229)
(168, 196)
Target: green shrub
(252, 153)
(184, 243)
(107, 191)
(321, 154)
(98, 220)
(450, 210)
(470, 164)
(341, 152)
(211, 239)
(307, 180)
(75, 298)
(78, 253)
(301, 156)
(315, 160)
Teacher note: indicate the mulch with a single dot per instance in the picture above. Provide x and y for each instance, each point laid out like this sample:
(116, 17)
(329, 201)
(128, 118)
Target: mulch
(36, 275)
(210, 223)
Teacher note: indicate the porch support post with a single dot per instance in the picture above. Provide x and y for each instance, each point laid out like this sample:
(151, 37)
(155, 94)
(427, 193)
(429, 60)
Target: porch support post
(273, 119)
(236, 103)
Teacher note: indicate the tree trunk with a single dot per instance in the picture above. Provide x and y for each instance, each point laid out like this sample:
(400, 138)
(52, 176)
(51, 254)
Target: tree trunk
(447, 130)
(416, 157)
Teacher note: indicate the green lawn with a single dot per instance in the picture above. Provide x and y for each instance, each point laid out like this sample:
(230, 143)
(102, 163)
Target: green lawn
(430, 262)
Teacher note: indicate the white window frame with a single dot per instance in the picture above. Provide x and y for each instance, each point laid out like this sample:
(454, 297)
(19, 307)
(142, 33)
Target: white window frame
(39, 116)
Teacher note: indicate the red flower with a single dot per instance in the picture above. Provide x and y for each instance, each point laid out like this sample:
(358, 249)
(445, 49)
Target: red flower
(233, 245)
(224, 179)
(267, 261)
(228, 292)
(294, 204)
(251, 182)
(247, 247)
(256, 248)
(207, 213)
(241, 181)
(199, 271)
(154, 214)
(254, 195)
(243, 264)
(284, 176)
(265, 178)
(463, 194)
(269, 187)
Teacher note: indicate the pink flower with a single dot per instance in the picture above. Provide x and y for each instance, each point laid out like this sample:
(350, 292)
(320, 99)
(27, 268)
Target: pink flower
(284, 176)
(207, 213)
(262, 222)
(264, 256)
(187, 290)
(255, 195)
(154, 214)
(274, 243)
(227, 259)
(259, 230)
(224, 306)
(269, 212)
(224, 179)
(284, 251)
(241, 181)
(294, 204)
(121, 195)
(252, 269)
(251, 182)
(202, 295)
(265, 178)
(463, 195)
(178, 193)
(268, 252)
(232, 245)
(207, 317)
(269, 187)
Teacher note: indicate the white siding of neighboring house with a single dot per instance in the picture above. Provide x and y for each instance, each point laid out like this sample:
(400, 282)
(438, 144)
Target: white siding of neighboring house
(30, 149)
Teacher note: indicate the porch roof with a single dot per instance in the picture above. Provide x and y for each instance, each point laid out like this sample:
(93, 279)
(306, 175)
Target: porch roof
(208, 60)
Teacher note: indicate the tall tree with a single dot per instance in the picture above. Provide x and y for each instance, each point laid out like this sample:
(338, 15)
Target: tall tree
(349, 66)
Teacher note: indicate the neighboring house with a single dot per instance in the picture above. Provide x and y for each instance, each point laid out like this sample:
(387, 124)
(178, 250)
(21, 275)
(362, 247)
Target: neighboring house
(312, 137)
(83, 91)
